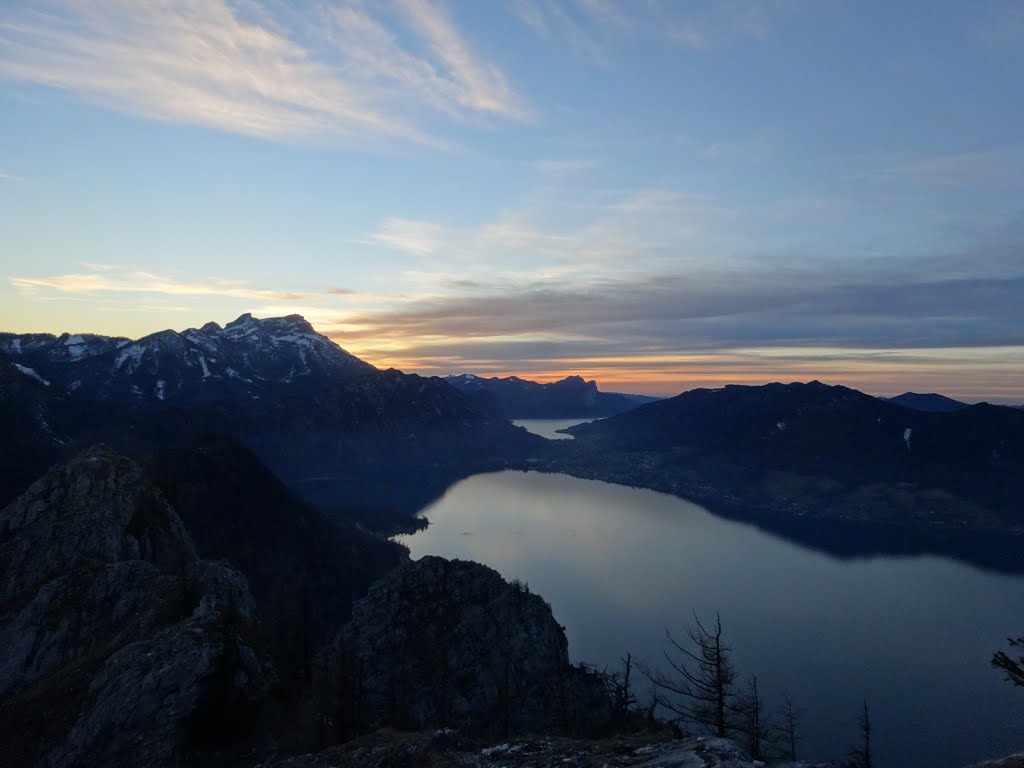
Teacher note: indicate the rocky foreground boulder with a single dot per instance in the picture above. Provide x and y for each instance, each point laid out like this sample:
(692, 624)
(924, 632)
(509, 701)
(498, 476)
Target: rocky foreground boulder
(121, 646)
(441, 643)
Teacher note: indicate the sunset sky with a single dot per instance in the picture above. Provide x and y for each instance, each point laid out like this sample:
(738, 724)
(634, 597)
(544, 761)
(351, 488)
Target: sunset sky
(659, 194)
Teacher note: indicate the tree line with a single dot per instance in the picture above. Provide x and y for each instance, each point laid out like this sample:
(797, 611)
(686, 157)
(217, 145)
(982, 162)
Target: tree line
(700, 690)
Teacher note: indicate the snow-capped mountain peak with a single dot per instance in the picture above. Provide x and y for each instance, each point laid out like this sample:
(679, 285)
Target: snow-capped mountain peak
(195, 363)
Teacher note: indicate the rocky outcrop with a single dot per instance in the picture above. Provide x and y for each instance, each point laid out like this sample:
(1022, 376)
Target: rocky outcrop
(1010, 761)
(304, 568)
(121, 646)
(449, 748)
(451, 643)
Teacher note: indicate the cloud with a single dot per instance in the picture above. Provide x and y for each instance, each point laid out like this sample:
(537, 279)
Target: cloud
(607, 12)
(601, 231)
(752, 150)
(531, 15)
(869, 325)
(589, 25)
(952, 168)
(238, 69)
(481, 86)
(148, 282)
(9, 177)
(665, 314)
(562, 167)
(420, 238)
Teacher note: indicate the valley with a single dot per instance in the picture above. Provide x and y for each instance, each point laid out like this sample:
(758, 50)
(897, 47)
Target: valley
(267, 447)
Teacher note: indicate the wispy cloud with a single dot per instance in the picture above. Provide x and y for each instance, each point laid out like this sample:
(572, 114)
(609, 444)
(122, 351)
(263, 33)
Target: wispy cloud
(587, 24)
(419, 238)
(9, 177)
(951, 168)
(481, 86)
(95, 267)
(866, 322)
(236, 68)
(605, 231)
(750, 150)
(531, 14)
(148, 282)
(562, 167)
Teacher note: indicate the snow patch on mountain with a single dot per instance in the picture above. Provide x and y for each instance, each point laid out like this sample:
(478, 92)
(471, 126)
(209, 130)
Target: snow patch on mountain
(130, 355)
(76, 346)
(32, 374)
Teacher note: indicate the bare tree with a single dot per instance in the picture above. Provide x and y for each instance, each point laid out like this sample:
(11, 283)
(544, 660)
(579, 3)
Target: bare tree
(699, 689)
(620, 691)
(1014, 668)
(787, 731)
(753, 722)
(861, 756)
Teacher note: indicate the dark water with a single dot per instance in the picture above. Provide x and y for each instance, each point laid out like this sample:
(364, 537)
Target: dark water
(911, 635)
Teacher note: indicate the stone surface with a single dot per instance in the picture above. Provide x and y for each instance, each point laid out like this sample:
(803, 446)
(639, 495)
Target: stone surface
(450, 748)
(450, 643)
(123, 647)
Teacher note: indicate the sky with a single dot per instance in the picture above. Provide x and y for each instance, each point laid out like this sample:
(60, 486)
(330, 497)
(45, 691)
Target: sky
(658, 194)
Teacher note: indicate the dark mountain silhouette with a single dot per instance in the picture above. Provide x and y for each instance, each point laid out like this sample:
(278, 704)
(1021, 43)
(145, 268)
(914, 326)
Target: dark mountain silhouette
(789, 450)
(572, 397)
(931, 402)
(337, 431)
(304, 567)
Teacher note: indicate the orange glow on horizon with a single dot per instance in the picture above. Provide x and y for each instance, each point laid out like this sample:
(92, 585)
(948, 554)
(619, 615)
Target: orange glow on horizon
(972, 375)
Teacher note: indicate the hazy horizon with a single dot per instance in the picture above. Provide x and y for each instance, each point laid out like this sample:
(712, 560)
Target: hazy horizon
(654, 195)
(712, 380)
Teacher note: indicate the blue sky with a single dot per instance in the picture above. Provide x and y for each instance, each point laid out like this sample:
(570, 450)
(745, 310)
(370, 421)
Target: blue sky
(659, 194)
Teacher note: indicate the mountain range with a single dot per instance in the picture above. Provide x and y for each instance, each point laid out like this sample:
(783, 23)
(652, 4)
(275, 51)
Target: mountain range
(214, 596)
(816, 451)
(569, 398)
(931, 402)
(375, 446)
(335, 429)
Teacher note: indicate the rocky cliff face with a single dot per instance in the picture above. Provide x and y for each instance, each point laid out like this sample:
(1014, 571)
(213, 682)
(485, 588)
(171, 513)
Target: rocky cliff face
(121, 646)
(516, 398)
(450, 643)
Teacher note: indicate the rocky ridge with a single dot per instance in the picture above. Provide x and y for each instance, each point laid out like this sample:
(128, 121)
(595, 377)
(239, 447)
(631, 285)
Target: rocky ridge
(248, 355)
(450, 643)
(121, 645)
(571, 397)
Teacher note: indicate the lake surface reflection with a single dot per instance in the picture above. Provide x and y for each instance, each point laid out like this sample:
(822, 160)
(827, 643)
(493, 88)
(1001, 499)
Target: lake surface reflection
(549, 427)
(911, 635)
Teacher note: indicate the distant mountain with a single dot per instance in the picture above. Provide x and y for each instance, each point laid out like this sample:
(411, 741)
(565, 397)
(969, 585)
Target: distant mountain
(572, 397)
(247, 357)
(931, 402)
(336, 430)
(812, 450)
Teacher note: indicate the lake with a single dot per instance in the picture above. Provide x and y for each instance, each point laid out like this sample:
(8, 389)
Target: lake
(549, 427)
(911, 635)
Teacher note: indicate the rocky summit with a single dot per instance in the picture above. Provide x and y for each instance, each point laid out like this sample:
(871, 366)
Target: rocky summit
(121, 646)
(450, 643)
